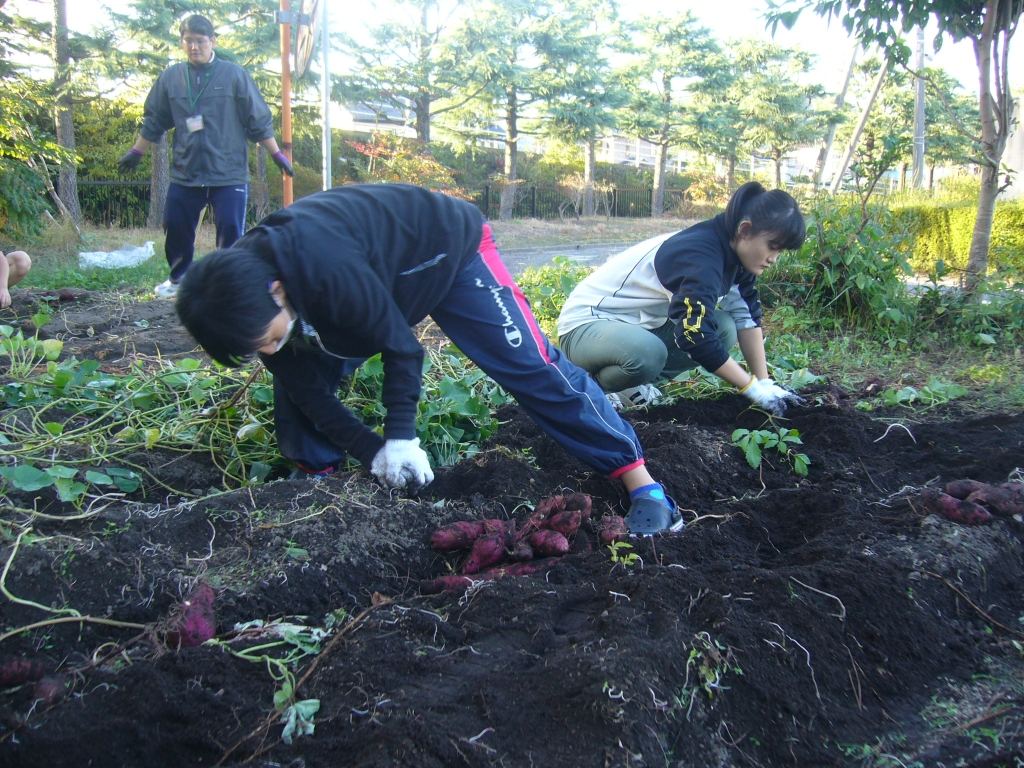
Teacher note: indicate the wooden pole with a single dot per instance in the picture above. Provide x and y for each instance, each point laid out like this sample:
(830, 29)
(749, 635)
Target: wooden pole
(286, 99)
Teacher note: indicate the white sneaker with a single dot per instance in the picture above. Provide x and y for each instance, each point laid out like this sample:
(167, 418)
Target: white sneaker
(166, 290)
(638, 397)
(615, 400)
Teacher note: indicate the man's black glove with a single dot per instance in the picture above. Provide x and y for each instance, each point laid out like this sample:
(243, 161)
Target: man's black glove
(281, 161)
(130, 161)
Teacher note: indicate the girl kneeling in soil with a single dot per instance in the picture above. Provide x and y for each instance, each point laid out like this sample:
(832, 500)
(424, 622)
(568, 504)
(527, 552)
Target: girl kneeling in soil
(13, 268)
(683, 299)
(342, 275)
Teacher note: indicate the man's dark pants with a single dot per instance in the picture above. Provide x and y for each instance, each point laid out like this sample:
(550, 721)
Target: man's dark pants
(181, 217)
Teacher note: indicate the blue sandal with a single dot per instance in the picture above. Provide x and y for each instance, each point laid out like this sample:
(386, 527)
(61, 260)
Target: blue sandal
(648, 516)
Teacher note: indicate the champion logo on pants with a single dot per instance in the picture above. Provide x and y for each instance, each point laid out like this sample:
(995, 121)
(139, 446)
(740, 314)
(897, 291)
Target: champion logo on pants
(513, 335)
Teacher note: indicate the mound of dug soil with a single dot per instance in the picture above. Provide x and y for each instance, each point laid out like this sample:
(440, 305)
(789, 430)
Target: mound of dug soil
(823, 621)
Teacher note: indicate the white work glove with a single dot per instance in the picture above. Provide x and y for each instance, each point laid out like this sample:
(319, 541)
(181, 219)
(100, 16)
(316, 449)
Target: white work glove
(768, 395)
(402, 464)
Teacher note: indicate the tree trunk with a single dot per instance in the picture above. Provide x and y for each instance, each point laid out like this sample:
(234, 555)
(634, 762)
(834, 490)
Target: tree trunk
(993, 142)
(260, 187)
(903, 177)
(508, 194)
(159, 181)
(777, 159)
(658, 193)
(422, 102)
(731, 177)
(422, 108)
(64, 116)
(589, 168)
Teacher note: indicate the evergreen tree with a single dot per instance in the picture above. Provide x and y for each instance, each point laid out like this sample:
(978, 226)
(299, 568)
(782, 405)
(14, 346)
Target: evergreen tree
(675, 58)
(779, 112)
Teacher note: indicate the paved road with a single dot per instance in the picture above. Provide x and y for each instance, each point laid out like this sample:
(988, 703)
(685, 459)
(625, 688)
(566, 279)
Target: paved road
(518, 259)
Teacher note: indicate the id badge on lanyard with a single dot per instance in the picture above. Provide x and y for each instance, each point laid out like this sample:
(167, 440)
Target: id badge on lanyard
(195, 123)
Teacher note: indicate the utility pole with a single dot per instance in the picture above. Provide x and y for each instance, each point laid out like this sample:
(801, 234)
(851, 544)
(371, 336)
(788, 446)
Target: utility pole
(325, 45)
(286, 93)
(918, 178)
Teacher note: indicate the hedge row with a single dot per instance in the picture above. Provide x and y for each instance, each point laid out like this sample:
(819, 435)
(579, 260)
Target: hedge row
(944, 232)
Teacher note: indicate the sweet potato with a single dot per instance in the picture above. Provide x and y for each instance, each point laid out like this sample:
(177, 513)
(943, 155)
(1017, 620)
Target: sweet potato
(1004, 500)
(581, 502)
(487, 550)
(522, 552)
(957, 510)
(455, 582)
(15, 671)
(612, 528)
(549, 506)
(460, 535)
(444, 584)
(535, 522)
(566, 522)
(549, 543)
(194, 621)
(961, 489)
(52, 688)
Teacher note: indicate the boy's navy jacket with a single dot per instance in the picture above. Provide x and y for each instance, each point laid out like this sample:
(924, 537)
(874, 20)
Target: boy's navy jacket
(682, 277)
(361, 265)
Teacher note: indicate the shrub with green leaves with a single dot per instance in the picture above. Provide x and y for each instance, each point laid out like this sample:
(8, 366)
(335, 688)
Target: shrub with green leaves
(850, 268)
(549, 286)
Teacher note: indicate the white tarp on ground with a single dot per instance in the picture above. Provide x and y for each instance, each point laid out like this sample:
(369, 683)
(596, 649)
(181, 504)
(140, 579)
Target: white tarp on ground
(125, 256)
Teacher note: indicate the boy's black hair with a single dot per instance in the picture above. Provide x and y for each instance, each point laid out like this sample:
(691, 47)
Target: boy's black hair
(199, 25)
(775, 212)
(224, 299)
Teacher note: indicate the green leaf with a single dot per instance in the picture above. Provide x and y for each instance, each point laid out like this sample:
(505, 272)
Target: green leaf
(52, 348)
(59, 470)
(152, 436)
(69, 490)
(55, 428)
(26, 477)
(98, 478)
(800, 464)
(753, 454)
(189, 364)
(39, 319)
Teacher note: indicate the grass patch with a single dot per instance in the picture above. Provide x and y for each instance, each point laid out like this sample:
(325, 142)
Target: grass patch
(55, 258)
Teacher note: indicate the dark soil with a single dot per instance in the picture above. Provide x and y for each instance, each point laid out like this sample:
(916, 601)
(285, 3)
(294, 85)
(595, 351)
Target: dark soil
(824, 621)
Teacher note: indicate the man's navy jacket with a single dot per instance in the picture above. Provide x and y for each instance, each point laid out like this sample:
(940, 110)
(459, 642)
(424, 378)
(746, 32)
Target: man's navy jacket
(361, 265)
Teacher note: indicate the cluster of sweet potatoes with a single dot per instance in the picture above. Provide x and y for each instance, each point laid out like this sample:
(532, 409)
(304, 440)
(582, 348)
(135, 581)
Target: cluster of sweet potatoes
(497, 549)
(972, 503)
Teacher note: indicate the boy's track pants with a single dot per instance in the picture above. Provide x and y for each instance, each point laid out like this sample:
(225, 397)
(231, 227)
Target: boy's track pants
(487, 317)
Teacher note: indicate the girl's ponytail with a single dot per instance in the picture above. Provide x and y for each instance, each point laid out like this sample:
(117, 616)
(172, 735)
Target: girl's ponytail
(775, 212)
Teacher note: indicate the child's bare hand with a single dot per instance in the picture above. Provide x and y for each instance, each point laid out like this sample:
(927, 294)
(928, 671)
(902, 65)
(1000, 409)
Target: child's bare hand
(5, 298)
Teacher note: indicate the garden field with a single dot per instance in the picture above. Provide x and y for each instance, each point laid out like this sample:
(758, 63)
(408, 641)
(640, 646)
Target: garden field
(818, 620)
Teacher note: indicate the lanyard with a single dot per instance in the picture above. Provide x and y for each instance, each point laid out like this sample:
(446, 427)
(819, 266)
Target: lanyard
(188, 82)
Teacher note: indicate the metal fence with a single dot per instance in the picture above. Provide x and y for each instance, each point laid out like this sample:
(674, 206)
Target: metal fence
(534, 202)
(126, 203)
(122, 204)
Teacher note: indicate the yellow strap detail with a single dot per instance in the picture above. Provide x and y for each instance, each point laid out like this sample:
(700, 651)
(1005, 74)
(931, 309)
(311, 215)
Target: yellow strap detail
(749, 384)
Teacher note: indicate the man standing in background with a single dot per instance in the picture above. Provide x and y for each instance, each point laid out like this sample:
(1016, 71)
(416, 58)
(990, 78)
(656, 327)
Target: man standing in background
(215, 108)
